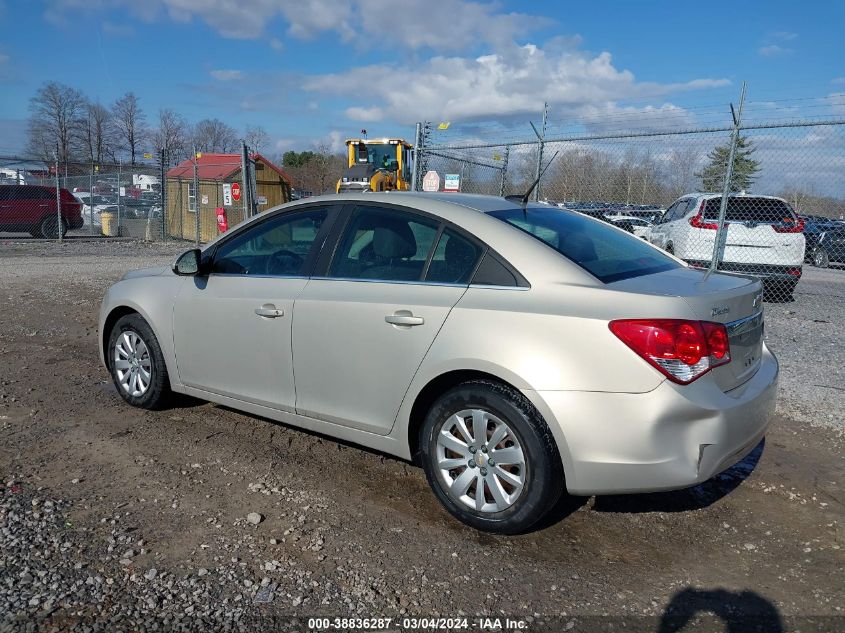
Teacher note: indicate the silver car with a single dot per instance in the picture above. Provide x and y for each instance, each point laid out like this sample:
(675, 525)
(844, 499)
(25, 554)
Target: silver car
(517, 353)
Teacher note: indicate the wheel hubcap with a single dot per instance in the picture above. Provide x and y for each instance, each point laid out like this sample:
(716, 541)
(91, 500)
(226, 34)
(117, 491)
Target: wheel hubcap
(480, 461)
(132, 363)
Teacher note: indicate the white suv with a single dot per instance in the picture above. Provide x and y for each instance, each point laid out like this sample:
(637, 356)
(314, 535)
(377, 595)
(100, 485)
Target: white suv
(764, 236)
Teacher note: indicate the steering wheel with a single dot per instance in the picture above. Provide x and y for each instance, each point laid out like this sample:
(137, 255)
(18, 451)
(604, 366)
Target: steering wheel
(282, 262)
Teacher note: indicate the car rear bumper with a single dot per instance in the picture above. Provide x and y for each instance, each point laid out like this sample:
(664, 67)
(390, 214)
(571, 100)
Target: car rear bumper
(672, 437)
(767, 273)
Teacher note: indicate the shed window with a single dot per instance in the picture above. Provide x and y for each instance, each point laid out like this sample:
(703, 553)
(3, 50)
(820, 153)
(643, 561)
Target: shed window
(192, 198)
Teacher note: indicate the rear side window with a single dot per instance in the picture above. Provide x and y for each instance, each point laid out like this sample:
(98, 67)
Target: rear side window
(750, 209)
(383, 244)
(605, 252)
(454, 259)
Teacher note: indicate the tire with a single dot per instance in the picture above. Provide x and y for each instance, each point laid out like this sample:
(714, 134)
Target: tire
(821, 258)
(152, 393)
(515, 509)
(47, 228)
(670, 249)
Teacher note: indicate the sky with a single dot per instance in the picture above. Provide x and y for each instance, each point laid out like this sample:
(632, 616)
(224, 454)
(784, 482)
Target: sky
(321, 70)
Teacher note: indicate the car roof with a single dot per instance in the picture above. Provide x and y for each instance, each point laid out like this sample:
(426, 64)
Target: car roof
(476, 202)
(705, 194)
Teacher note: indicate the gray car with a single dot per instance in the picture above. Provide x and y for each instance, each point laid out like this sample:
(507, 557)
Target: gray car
(518, 354)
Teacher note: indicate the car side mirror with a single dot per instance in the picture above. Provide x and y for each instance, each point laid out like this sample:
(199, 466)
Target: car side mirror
(188, 263)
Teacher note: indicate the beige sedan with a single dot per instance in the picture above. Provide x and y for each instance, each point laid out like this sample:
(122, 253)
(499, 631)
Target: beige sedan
(518, 354)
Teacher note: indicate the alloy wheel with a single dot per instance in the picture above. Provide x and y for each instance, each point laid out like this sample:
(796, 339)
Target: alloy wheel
(132, 363)
(480, 461)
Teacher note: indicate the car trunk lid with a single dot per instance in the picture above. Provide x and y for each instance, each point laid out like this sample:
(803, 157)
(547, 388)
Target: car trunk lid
(732, 300)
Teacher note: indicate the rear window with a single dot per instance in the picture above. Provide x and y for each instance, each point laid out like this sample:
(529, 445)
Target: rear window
(749, 209)
(601, 250)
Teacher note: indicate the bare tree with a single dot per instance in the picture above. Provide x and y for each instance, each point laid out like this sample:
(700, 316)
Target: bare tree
(256, 137)
(129, 123)
(56, 111)
(171, 136)
(212, 135)
(96, 133)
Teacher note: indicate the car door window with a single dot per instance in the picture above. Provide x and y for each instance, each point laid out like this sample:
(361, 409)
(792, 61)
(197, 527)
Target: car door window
(454, 259)
(276, 247)
(672, 211)
(384, 244)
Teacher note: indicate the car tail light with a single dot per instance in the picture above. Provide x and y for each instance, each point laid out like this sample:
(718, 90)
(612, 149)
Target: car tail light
(681, 350)
(795, 272)
(790, 225)
(697, 221)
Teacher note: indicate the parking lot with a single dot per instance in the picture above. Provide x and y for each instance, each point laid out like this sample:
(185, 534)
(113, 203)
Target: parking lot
(134, 519)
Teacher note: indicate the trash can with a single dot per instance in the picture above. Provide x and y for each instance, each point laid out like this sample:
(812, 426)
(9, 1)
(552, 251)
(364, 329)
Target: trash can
(109, 222)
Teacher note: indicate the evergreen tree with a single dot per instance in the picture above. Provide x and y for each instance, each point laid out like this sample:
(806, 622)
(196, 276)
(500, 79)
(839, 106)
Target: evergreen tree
(744, 169)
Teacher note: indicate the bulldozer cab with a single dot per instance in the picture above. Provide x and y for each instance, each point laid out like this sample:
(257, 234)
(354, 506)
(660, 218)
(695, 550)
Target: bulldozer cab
(377, 165)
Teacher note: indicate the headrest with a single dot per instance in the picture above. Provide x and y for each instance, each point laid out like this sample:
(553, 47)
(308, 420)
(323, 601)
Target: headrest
(578, 247)
(393, 239)
(459, 252)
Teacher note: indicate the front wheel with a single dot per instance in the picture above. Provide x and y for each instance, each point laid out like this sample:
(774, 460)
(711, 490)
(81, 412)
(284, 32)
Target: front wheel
(821, 259)
(137, 364)
(490, 458)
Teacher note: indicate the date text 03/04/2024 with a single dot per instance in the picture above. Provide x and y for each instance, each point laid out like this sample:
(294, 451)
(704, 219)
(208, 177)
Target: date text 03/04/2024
(417, 624)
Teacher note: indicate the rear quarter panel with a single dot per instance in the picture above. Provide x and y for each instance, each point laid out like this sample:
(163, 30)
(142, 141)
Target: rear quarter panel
(550, 338)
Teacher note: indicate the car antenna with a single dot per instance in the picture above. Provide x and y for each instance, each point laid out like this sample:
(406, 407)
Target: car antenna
(523, 199)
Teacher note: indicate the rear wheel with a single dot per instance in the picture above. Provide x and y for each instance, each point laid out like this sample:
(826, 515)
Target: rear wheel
(490, 458)
(48, 229)
(821, 258)
(137, 364)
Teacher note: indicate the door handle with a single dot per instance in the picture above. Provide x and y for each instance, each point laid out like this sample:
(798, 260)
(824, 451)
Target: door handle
(404, 318)
(269, 311)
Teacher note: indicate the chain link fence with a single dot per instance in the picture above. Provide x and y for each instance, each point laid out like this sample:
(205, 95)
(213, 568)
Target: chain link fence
(761, 199)
(194, 200)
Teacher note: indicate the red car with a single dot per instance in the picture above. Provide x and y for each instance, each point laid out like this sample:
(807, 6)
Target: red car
(32, 209)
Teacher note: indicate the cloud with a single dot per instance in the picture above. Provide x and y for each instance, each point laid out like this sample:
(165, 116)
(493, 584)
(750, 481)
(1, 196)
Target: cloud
(227, 75)
(512, 82)
(276, 44)
(783, 36)
(838, 81)
(365, 114)
(4, 59)
(117, 30)
(773, 50)
(442, 25)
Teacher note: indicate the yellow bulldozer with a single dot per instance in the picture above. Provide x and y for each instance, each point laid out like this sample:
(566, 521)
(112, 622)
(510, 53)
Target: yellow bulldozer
(376, 165)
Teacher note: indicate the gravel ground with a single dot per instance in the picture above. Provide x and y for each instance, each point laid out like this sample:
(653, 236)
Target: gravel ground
(116, 518)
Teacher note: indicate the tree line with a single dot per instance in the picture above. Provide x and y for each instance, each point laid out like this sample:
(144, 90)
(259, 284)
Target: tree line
(67, 126)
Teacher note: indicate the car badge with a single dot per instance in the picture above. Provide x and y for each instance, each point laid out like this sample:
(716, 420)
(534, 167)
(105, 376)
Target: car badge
(719, 310)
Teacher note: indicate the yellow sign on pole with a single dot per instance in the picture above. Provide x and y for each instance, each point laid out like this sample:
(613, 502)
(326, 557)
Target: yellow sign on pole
(147, 155)
(444, 125)
(199, 154)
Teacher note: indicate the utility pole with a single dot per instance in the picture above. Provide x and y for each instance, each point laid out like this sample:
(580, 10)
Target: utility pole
(541, 138)
(721, 233)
